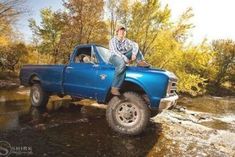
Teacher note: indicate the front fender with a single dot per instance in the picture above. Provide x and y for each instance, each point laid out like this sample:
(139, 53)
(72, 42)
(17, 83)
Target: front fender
(153, 85)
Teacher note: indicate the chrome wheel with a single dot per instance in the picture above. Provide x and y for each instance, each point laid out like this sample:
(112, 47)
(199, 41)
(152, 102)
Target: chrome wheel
(127, 114)
(36, 95)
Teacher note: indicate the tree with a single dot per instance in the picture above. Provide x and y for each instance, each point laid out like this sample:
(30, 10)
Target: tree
(112, 22)
(59, 32)
(10, 10)
(85, 22)
(119, 12)
(147, 20)
(224, 61)
(10, 51)
(48, 33)
(182, 26)
(189, 63)
(12, 55)
(164, 44)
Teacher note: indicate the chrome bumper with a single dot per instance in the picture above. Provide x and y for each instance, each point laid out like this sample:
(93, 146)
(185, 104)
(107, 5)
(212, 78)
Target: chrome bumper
(168, 102)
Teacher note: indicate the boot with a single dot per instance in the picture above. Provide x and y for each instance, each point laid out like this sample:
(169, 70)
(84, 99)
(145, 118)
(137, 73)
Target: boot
(115, 91)
(143, 64)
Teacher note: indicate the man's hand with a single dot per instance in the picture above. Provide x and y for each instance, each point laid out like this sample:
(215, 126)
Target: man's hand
(133, 57)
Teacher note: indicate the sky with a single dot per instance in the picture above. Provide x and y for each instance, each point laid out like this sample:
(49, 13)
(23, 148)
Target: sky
(34, 7)
(213, 19)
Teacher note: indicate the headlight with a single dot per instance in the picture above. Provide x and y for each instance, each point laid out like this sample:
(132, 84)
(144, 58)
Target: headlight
(172, 87)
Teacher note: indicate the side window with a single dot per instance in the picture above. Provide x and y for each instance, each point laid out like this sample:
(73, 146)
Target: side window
(85, 55)
(104, 53)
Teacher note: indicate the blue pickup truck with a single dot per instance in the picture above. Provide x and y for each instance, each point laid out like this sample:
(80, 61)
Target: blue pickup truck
(89, 75)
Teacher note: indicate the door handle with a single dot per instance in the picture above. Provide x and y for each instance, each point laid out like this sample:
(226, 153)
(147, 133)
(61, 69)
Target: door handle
(69, 67)
(95, 66)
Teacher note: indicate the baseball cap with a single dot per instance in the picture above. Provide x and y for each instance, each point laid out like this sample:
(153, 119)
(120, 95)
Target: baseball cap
(120, 28)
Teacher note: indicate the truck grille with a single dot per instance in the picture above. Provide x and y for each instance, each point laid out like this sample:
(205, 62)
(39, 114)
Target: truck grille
(172, 87)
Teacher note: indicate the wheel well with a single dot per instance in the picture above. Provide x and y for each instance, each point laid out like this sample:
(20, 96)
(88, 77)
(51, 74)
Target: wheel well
(130, 86)
(34, 79)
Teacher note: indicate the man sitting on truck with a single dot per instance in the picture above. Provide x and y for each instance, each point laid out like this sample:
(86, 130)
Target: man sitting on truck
(123, 52)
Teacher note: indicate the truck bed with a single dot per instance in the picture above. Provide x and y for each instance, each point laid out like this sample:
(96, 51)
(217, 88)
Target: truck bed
(51, 76)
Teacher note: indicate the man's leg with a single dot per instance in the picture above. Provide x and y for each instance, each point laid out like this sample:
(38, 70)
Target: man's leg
(139, 58)
(120, 73)
(128, 54)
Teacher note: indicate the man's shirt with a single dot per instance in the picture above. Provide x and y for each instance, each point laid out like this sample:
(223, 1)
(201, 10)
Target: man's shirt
(120, 47)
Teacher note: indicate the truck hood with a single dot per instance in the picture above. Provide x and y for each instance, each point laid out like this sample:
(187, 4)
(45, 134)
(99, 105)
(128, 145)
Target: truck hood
(140, 70)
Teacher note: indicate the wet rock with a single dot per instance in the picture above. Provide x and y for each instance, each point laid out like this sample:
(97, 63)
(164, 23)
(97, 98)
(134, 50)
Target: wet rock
(83, 120)
(40, 126)
(179, 108)
(129, 146)
(34, 121)
(53, 125)
(46, 115)
(194, 138)
(9, 84)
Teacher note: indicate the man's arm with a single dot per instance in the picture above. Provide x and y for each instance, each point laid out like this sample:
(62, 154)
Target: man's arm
(135, 46)
(113, 49)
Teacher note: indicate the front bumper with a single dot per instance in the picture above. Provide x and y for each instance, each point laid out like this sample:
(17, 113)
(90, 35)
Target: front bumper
(168, 102)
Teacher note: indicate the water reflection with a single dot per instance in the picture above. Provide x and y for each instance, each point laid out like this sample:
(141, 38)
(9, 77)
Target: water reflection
(65, 129)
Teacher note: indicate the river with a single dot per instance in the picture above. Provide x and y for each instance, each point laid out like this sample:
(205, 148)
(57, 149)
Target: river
(203, 126)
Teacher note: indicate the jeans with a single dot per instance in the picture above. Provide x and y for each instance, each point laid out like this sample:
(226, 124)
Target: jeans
(120, 67)
(139, 56)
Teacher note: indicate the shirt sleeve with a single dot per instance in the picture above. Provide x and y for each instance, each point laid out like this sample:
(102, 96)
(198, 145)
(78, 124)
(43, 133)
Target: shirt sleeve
(135, 46)
(113, 47)
(114, 50)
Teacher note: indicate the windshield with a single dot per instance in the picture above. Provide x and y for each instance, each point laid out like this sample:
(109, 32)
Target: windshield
(104, 53)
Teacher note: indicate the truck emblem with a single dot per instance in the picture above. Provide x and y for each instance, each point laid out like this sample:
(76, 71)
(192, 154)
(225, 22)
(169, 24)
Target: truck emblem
(103, 76)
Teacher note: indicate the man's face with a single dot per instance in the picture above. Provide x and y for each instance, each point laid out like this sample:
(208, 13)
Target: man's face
(121, 33)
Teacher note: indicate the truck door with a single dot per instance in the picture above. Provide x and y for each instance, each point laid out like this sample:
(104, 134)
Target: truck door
(105, 77)
(105, 72)
(81, 74)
